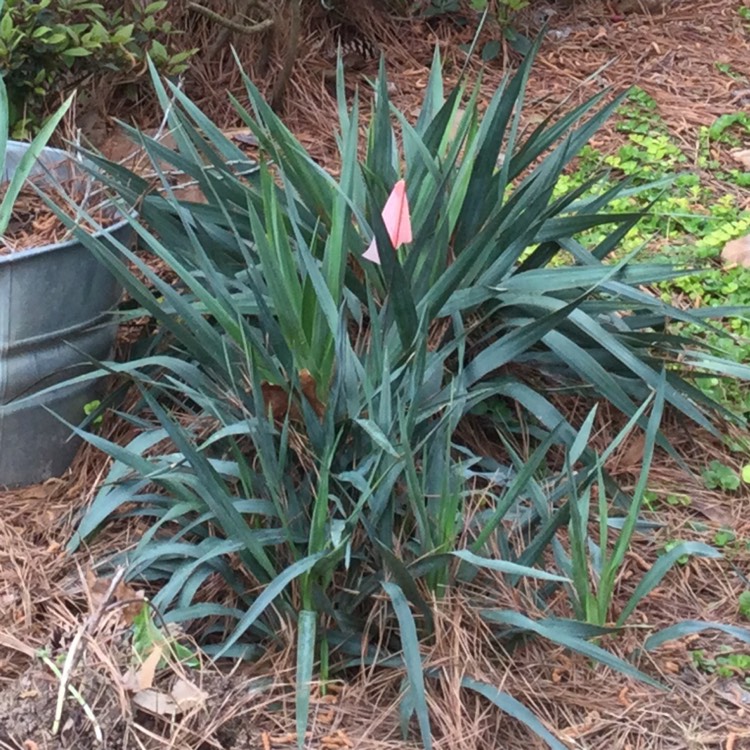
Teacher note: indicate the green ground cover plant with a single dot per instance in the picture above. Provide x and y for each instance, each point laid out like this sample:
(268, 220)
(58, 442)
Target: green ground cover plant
(300, 424)
(744, 604)
(726, 664)
(689, 220)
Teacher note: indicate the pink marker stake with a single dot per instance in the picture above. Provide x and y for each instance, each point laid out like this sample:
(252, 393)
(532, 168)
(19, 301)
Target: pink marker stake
(396, 219)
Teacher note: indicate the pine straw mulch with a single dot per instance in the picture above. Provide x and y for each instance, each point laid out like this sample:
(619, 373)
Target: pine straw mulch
(45, 601)
(35, 224)
(672, 54)
(43, 590)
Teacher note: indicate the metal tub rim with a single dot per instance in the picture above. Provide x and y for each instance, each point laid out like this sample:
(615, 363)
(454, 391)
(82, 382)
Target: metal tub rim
(58, 246)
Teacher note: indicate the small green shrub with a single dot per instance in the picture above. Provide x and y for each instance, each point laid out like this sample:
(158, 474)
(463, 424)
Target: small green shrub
(52, 45)
(502, 8)
(674, 550)
(28, 161)
(147, 636)
(500, 13)
(724, 537)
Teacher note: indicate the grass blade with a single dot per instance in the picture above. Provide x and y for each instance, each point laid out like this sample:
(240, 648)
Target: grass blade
(688, 627)
(306, 626)
(514, 708)
(412, 659)
(264, 600)
(562, 637)
(660, 568)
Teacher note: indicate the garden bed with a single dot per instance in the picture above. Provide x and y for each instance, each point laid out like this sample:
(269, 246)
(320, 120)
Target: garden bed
(679, 60)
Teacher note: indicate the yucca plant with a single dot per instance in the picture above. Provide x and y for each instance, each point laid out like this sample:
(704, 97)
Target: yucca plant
(596, 557)
(301, 412)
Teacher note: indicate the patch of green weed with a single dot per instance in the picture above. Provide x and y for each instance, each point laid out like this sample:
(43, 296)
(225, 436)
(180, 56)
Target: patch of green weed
(726, 664)
(743, 604)
(688, 222)
(718, 476)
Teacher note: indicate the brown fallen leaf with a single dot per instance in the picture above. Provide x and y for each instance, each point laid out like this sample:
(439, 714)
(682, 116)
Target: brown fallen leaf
(156, 702)
(712, 511)
(278, 402)
(188, 695)
(630, 457)
(310, 390)
(241, 135)
(742, 156)
(672, 667)
(12, 643)
(97, 589)
(100, 596)
(130, 680)
(147, 671)
(737, 252)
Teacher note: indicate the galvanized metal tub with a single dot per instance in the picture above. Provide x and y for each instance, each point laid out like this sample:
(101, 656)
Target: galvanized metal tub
(55, 311)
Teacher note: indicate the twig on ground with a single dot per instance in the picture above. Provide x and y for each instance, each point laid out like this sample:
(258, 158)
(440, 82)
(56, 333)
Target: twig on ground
(233, 23)
(73, 654)
(77, 695)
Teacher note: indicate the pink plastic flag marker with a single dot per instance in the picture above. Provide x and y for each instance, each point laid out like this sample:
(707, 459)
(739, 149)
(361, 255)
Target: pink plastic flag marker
(396, 219)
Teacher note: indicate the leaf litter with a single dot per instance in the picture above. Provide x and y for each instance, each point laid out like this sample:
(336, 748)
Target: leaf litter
(35, 224)
(672, 55)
